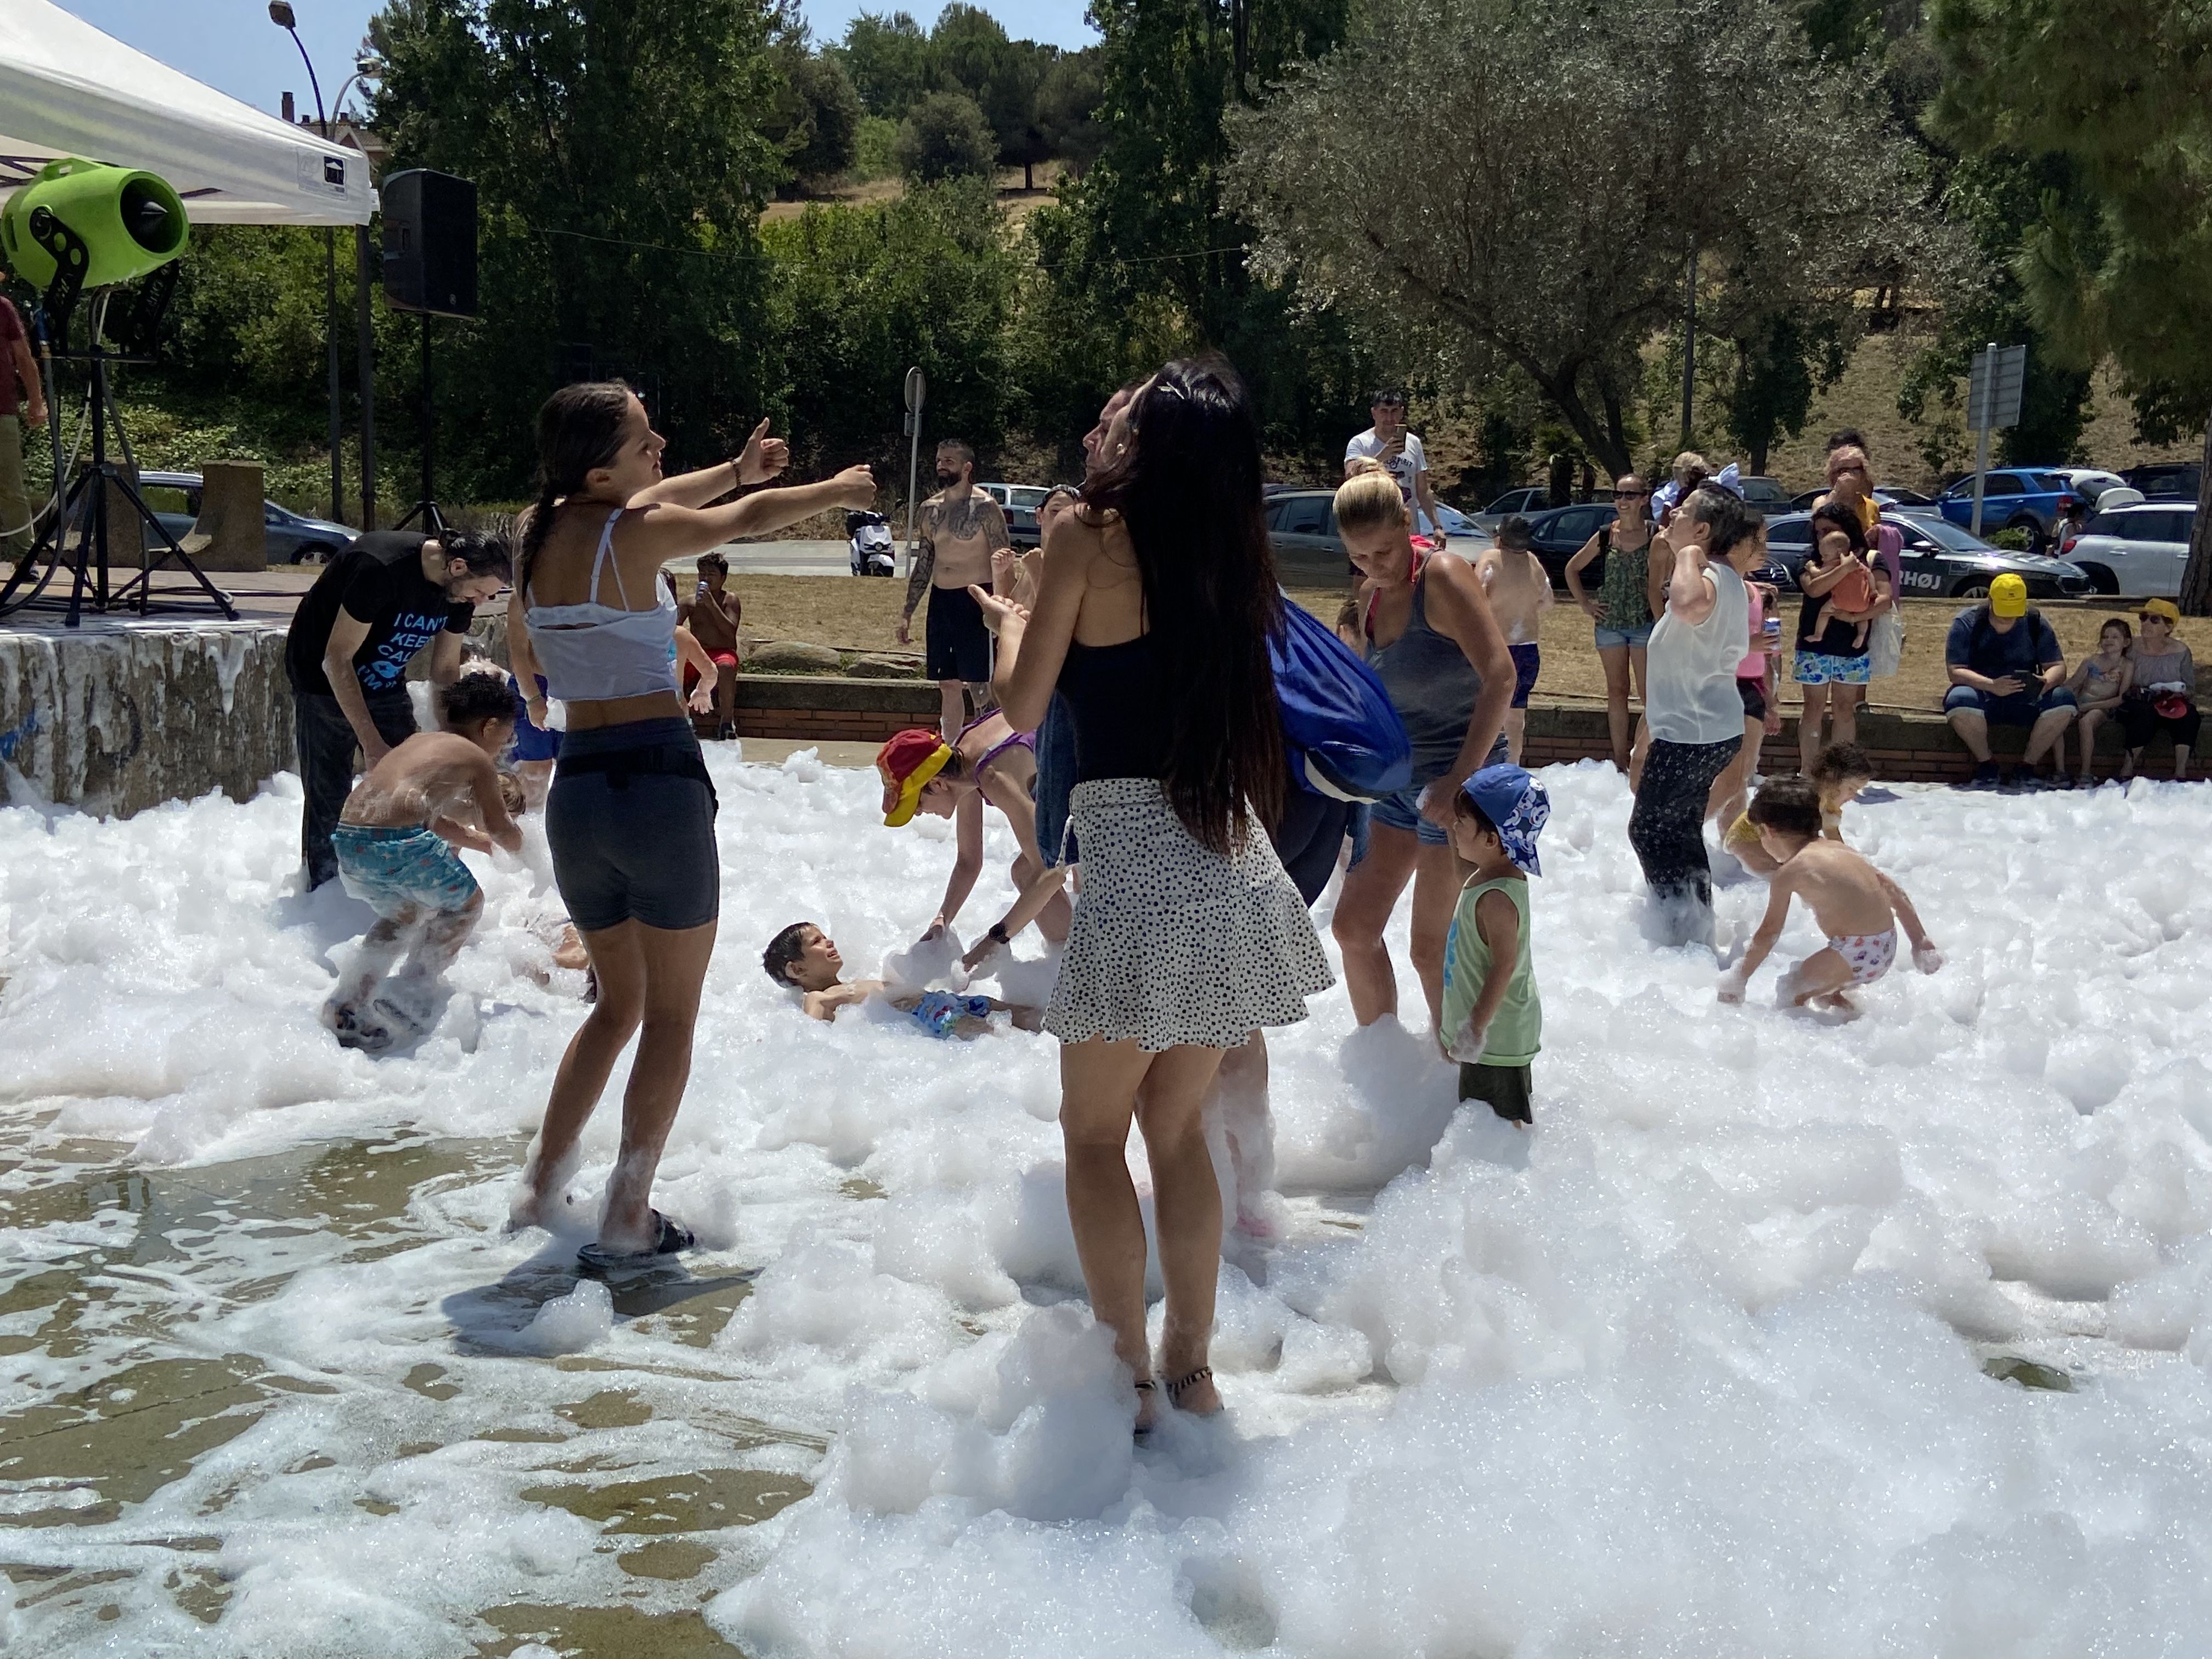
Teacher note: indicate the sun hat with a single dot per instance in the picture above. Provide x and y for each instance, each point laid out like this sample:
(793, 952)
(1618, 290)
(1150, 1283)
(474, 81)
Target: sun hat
(2008, 596)
(908, 763)
(1517, 806)
(2165, 608)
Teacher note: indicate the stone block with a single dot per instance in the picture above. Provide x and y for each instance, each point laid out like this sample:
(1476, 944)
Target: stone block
(884, 668)
(232, 532)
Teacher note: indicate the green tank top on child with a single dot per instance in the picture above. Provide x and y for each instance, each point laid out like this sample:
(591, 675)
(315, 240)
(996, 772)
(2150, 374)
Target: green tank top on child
(1622, 600)
(1517, 1028)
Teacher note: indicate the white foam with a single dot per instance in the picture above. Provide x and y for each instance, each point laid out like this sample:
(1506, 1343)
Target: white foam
(1693, 1367)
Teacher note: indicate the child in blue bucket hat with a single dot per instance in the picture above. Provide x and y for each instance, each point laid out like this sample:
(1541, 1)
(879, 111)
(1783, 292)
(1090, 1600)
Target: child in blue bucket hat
(1493, 1021)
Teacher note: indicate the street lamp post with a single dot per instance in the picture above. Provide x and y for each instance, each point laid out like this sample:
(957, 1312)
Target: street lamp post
(366, 69)
(281, 14)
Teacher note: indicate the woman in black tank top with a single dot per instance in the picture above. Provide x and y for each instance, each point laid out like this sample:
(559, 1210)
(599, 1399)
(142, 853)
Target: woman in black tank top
(1187, 936)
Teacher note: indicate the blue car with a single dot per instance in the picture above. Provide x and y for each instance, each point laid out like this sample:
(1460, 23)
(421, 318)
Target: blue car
(2020, 498)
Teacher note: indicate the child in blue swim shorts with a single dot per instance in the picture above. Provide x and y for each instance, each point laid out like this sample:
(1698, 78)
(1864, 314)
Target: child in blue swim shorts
(395, 841)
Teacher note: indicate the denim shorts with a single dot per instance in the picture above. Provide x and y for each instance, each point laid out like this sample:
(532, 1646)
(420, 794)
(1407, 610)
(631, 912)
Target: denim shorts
(1403, 811)
(1817, 668)
(2021, 708)
(1636, 639)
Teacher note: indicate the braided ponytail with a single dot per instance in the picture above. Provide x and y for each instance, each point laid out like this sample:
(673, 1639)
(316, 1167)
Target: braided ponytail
(580, 428)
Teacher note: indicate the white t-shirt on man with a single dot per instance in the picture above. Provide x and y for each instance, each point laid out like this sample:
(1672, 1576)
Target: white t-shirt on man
(1408, 464)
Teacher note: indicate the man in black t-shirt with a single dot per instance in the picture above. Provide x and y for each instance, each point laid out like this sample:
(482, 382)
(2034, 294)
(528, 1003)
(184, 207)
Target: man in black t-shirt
(377, 604)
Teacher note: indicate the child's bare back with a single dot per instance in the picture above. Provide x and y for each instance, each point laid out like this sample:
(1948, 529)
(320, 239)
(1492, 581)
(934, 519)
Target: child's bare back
(1858, 908)
(440, 779)
(1519, 591)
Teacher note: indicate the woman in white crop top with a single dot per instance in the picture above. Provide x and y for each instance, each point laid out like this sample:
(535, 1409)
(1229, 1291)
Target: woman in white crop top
(630, 817)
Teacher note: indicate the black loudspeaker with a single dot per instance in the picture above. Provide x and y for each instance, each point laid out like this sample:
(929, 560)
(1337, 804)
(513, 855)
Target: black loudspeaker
(430, 243)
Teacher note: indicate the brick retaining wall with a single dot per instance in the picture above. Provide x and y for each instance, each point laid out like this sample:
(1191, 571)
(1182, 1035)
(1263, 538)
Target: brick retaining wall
(1905, 748)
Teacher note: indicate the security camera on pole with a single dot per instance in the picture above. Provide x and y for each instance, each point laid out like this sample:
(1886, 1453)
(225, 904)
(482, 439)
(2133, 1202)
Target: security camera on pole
(917, 389)
(1992, 402)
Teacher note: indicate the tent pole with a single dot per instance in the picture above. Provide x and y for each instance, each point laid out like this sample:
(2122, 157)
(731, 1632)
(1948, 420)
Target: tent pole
(368, 380)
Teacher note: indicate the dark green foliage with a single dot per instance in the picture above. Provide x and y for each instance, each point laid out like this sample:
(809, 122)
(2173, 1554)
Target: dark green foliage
(1067, 109)
(888, 58)
(945, 136)
(1996, 200)
(2117, 265)
(815, 119)
(1778, 367)
(859, 293)
(619, 152)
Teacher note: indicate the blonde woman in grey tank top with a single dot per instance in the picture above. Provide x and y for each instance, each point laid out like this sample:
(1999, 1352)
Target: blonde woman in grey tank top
(1439, 651)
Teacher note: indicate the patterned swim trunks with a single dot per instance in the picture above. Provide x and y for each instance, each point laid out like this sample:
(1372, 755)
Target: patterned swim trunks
(401, 868)
(1868, 954)
(939, 1012)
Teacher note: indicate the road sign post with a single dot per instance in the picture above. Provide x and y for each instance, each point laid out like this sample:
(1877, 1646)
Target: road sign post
(1993, 387)
(917, 390)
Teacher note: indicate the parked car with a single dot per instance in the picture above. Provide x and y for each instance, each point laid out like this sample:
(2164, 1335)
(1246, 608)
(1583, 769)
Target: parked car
(292, 537)
(1766, 496)
(1309, 552)
(2166, 481)
(1888, 494)
(1020, 502)
(1559, 534)
(2089, 483)
(2020, 498)
(1940, 560)
(2139, 551)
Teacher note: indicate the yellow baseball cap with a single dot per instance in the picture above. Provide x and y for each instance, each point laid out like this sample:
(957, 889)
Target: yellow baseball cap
(2008, 596)
(2165, 608)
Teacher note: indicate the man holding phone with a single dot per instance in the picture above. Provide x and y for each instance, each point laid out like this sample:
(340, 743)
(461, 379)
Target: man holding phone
(1388, 443)
(2006, 667)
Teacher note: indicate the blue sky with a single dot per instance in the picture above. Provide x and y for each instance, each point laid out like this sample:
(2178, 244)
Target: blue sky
(232, 46)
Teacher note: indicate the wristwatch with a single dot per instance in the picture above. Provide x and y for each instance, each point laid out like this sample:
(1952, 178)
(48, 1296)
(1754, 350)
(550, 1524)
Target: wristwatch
(999, 933)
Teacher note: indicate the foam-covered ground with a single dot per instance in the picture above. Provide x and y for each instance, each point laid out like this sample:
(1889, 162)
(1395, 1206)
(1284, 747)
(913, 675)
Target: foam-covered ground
(1697, 1367)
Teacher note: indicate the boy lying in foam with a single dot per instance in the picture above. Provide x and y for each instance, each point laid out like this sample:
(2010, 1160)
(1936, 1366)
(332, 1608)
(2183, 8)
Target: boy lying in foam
(804, 958)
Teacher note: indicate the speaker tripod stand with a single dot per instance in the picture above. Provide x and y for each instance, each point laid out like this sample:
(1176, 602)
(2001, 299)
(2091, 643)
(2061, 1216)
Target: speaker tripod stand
(432, 522)
(78, 539)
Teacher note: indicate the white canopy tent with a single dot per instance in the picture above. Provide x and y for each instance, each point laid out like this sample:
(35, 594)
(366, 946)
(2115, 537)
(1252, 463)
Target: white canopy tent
(68, 89)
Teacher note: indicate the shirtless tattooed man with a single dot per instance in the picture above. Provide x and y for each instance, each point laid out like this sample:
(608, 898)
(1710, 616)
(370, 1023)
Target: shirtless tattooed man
(960, 527)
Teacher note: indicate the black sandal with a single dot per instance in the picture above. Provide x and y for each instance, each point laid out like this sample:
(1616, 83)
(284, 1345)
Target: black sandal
(1175, 1388)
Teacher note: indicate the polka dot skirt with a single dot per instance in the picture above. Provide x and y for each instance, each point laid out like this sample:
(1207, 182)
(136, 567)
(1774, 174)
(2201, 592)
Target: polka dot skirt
(1174, 944)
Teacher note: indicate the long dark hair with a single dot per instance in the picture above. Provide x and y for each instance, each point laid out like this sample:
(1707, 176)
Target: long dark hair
(1842, 518)
(579, 429)
(1189, 488)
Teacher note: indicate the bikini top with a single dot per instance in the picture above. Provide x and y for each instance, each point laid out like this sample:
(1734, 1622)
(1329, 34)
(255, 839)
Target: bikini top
(594, 652)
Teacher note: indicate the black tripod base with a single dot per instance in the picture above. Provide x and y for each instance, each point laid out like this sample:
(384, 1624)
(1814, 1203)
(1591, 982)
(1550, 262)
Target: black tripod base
(425, 517)
(77, 542)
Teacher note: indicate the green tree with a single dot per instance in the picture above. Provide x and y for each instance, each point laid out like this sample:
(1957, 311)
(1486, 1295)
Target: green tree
(619, 152)
(969, 53)
(1143, 250)
(1585, 148)
(1067, 109)
(1779, 363)
(858, 294)
(2118, 268)
(815, 119)
(888, 58)
(945, 136)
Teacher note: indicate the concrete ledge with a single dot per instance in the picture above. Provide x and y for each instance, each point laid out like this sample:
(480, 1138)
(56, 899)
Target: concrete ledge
(117, 716)
(1905, 748)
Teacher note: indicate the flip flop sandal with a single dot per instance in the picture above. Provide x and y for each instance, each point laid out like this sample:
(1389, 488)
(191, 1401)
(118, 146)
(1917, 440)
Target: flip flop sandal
(673, 1238)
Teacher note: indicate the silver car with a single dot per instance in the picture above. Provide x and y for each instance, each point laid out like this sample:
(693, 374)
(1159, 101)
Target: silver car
(2139, 551)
